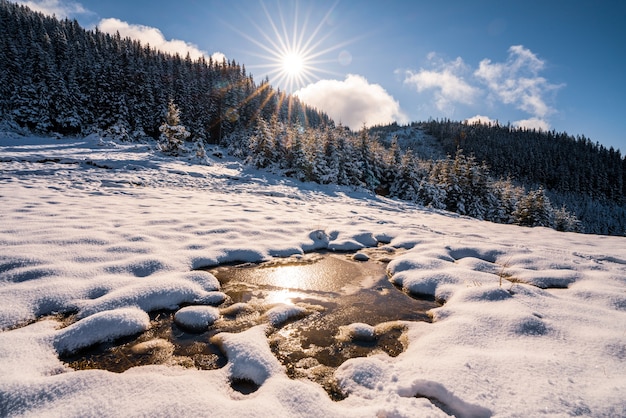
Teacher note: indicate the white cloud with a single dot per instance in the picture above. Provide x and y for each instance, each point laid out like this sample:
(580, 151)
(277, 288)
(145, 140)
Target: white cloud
(152, 36)
(218, 57)
(59, 8)
(484, 120)
(353, 102)
(446, 79)
(517, 82)
(533, 123)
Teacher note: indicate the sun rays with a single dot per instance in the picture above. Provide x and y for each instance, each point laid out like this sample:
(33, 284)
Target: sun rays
(294, 53)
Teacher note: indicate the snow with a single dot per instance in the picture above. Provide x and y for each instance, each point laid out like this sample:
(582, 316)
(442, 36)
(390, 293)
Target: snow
(360, 257)
(357, 331)
(282, 312)
(196, 318)
(533, 321)
(100, 327)
(249, 355)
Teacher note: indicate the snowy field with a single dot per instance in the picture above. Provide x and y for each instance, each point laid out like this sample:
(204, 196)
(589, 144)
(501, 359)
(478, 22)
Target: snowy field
(534, 321)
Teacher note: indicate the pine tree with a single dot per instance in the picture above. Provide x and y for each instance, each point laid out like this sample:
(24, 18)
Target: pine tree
(406, 183)
(173, 134)
(534, 209)
(261, 146)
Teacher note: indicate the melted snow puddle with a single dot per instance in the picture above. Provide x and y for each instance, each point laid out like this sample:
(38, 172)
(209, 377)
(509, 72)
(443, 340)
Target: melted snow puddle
(312, 303)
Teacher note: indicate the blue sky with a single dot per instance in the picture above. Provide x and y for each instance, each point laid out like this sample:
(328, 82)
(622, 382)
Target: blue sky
(553, 64)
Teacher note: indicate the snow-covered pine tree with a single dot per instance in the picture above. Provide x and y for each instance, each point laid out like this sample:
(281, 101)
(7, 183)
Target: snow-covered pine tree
(261, 146)
(299, 164)
(173, 134)
(565, 221)
(368, 177)
(331, 158)
(534, 209)
(406, 182)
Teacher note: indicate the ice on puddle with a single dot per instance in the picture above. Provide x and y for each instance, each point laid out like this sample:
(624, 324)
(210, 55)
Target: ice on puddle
(154, 345)
(237, 309)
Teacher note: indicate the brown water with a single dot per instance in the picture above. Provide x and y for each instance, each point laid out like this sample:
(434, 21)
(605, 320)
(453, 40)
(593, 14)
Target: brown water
(335, 291)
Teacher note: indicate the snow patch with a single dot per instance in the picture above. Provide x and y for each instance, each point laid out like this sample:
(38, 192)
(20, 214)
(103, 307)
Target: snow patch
(282, 313)
(357, 332)
(100, 327)
(249, 355)
(196, 318)
(163, 292)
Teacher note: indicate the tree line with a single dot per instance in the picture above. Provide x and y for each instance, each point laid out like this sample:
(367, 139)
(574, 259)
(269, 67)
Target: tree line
(335, 155)
(56, 76)
(586, 177)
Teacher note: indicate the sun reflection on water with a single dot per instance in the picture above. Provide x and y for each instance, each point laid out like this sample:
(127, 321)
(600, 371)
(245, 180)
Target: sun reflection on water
(290, 277)
(284, 296)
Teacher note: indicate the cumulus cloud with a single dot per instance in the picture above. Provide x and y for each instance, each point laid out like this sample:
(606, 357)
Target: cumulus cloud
(484, 120)
(218, 57)
(533, 123)
(517, 82)
(446, 80)
(154, 37)
(353, 101)
(59, 8)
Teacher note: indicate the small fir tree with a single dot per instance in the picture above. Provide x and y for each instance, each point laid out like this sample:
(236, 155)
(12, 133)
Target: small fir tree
(173, 134)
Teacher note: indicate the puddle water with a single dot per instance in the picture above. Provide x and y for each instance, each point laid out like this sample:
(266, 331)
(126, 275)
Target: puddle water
(334, 290)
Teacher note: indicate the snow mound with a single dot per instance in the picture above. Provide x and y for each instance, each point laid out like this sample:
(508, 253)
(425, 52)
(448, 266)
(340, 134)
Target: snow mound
(357, 332)
(450, 403)
(438, 271)
(235, 255)
(360, 257)
(548, 278)
(317, 240)
(365, 377)
(27, 353)
(237, 309)
(491, 293)
(283, 312)
(164, 292)
(376, 378)
(205, 279)
(352, 242)
(249, 355)
(196, 318)
(100, 327)
(138, 267)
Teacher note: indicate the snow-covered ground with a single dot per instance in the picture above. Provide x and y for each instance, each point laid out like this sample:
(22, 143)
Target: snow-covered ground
(112, 231)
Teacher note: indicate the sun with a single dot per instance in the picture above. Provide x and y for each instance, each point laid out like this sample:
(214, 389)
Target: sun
(293, 54)
(293, 64)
